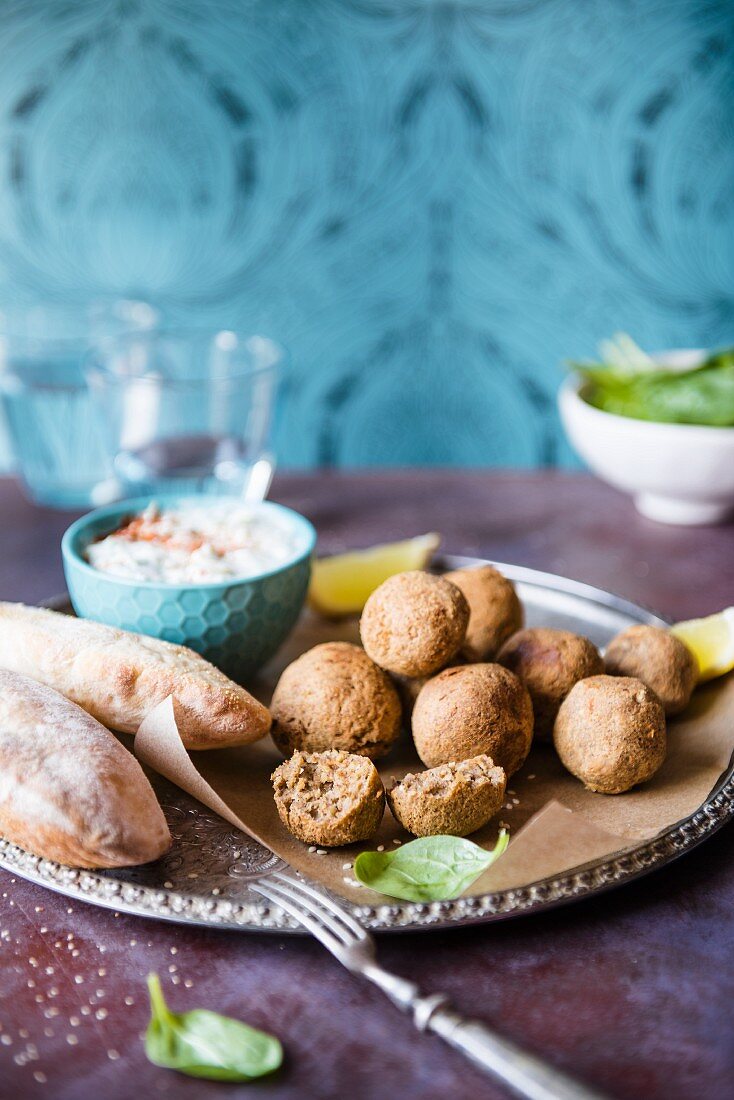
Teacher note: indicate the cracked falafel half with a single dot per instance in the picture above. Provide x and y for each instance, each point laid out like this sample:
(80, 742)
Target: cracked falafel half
(453, 799)
(329, 798)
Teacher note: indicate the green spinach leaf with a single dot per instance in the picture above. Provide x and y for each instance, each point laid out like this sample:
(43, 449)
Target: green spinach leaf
(203, 1044)
(432, 868)
(703, 394)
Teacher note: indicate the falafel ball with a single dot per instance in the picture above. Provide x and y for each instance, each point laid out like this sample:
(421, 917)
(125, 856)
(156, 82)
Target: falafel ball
(414, 623)
(659, 659)
(453, 799)
(495, 610)
(335, 697)
(549, 662)
(473, 710)
(610, 733)
(329, 798)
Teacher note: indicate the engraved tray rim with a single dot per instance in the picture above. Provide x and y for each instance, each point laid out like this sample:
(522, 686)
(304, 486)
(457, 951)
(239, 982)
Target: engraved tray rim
(580, 882)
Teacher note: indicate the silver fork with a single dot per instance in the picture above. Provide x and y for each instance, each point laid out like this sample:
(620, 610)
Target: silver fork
(354, 948)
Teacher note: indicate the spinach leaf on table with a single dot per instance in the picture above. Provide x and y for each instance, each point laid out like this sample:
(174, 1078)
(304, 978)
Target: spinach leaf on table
(204, 1044)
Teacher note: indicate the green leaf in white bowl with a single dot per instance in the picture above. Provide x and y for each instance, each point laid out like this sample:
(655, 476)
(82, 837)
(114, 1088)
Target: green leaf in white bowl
(432, 868)
(204, 1044)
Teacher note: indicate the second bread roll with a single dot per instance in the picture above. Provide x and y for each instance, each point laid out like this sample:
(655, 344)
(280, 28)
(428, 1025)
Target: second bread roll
(69, 790)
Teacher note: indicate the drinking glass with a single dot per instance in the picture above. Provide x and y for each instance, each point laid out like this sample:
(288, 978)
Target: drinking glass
(55, 434)
(188, 411)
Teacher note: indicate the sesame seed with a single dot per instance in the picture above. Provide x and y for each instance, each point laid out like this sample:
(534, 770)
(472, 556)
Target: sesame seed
(40, 1076)
(397, 841)
(168, 885)
(129, 1000)
(312, 848)
(79, 979)
(72, 1040)
(101, 1014)
(531, 776)
(23, 1033)
(321, 851)
(346, 866)
(380, 847)
(174, 951)
(113, 1055)
(74, 1021)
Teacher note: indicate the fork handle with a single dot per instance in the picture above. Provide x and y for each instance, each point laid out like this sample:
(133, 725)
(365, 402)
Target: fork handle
(523, 1073)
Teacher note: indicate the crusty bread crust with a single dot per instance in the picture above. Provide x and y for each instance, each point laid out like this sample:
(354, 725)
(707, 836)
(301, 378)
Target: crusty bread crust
(69, 790)
(118, 677)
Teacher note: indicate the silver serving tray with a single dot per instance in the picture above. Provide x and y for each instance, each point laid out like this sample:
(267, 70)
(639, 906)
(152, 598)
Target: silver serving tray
(204, 878)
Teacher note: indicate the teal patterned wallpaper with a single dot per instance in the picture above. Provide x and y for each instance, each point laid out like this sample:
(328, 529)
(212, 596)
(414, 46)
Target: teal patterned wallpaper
(431, 202)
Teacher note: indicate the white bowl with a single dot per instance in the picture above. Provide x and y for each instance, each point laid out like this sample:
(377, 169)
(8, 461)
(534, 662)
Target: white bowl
(676, 473)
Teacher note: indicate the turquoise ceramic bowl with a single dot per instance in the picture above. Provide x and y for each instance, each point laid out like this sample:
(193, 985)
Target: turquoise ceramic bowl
(237, 625)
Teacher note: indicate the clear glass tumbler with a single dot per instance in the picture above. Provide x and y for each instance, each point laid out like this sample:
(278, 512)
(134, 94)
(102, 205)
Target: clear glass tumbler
(56, 435)
(188, 411)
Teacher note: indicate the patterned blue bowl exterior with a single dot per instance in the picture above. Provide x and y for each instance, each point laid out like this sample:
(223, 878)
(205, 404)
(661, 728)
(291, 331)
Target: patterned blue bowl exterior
(236, 625)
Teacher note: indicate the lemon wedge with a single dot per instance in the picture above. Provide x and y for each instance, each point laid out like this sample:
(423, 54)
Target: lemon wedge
(711, 641)
(340, 585)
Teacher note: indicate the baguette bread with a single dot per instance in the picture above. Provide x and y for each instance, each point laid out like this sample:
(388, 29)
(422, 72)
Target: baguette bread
(118, 677)
(69, 790)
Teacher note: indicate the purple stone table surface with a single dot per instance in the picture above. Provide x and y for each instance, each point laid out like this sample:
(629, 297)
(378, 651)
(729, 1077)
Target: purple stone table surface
(632, 992)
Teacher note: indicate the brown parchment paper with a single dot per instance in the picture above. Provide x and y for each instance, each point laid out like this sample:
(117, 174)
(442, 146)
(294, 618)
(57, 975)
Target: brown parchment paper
(555, 824)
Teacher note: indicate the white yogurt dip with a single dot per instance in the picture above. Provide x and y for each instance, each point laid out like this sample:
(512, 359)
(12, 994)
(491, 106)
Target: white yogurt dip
(196, 543)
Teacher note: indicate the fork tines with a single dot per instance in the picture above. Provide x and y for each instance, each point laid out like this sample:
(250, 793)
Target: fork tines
(315, 910)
